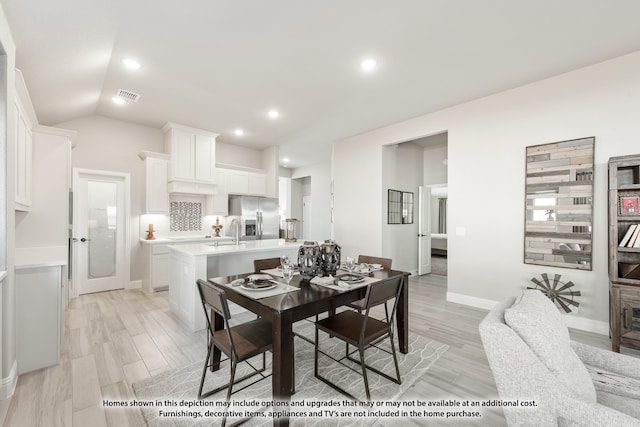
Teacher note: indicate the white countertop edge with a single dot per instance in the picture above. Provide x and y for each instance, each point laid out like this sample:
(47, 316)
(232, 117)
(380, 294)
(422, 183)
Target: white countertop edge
(3, 274)
(51, 256)
(243, 247)
(170, 241)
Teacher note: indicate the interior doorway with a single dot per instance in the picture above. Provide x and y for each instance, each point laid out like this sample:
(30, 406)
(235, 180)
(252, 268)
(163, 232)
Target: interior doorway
(301, 192)
(307, 219)
(100, 242)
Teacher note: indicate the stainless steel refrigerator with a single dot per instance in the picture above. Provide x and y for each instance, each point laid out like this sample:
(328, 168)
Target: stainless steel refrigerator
(259, 217)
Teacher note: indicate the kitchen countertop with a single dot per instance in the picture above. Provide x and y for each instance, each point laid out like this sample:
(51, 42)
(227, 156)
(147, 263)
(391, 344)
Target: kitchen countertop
(49, 256)
(248, 246)
(183, 240)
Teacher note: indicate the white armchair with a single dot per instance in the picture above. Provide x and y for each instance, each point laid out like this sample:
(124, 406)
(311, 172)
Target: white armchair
(532, 359)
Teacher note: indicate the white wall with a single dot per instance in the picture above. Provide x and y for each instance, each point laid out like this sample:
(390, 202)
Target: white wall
(113, 145)
(320, 191)
(8, 365)
(237, 155)
(486, 152)
(402, 169)
(435, 169)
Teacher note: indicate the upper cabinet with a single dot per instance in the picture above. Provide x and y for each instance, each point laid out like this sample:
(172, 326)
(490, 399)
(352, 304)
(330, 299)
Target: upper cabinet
(24, 149)
(156, 176)
(244, 181)
(192, 158)
(25, 120)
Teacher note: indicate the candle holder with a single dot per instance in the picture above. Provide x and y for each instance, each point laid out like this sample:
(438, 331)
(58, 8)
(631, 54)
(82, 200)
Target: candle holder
(309, 260)
(217, 227)
(150, 232)
(330, 252)
(291, 228)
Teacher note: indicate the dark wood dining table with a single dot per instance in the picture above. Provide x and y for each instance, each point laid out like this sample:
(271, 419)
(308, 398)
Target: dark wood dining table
(285, 309)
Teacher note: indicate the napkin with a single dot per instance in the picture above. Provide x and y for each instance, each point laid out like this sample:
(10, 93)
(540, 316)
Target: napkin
(329, 281)
(323, 280)
(237, 282)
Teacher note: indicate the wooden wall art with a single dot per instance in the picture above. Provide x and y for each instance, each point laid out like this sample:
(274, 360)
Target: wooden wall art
(558, 204)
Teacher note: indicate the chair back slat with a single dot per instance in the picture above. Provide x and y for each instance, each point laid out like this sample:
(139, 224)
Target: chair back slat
(214, 299)
(265, 264)
(382, 292)
(384, 262)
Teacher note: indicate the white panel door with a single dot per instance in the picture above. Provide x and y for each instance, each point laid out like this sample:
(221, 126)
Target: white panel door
(424, 230)
(100, 231)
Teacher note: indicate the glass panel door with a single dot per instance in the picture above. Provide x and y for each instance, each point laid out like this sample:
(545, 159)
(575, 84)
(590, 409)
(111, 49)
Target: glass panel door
(102, 228)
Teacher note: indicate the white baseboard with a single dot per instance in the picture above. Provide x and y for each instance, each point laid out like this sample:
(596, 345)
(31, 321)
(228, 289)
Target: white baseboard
(572, 320)
(8, 384)
(588, 325)
(135, 284)
(471, 301)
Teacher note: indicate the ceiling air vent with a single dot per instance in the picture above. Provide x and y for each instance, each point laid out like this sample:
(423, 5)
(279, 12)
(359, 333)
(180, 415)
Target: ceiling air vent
(128, 95)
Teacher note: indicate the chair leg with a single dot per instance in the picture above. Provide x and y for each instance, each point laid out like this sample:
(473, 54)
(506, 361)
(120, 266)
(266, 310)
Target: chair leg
(315, 355)
(395, 358)
(364, 373)
(229, 390)
(204, 370)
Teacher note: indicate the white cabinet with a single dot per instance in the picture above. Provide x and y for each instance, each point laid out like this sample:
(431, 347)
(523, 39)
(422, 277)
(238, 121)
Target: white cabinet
(39, 316)
(218, 204)
(157, 274)
(156, 176)
(257, 184)
(244, 182)
(24, 158)
(192, 154)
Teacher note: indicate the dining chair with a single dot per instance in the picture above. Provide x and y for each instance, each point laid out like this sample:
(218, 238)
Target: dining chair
(386, 265)
(238, 343)
(268, 263)
(384, 262)
(362, 331)
(265, 264)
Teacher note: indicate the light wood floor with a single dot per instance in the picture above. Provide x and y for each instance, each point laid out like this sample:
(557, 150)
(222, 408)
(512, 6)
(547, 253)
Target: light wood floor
(114, 339)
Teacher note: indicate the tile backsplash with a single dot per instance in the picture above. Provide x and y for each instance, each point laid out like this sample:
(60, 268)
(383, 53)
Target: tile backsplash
(185, 216)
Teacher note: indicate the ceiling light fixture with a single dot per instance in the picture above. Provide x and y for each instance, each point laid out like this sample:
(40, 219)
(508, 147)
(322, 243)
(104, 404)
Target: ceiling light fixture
(274, 114)
(239, 132)
(118, 100)
(285, 160)
(368, 64)
(131, 63)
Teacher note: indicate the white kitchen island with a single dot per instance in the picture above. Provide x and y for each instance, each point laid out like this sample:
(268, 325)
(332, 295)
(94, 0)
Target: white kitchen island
(187, 263)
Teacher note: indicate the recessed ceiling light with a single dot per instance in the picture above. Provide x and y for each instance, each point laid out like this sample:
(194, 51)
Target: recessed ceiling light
(285, 160)
(131, 63)
(368, 64)
(118, 100)
(274, 114)
(239, 132)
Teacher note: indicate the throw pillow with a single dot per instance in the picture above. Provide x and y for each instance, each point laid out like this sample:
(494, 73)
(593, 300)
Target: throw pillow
(541, 326)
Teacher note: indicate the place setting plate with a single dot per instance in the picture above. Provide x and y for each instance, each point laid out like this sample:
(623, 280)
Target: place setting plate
(259, 285)
(349, 278)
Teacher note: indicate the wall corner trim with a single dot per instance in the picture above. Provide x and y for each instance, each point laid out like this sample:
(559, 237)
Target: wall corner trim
(8, 384)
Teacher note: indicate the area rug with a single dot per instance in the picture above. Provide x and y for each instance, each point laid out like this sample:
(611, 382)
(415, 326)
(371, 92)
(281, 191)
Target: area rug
(170, 398)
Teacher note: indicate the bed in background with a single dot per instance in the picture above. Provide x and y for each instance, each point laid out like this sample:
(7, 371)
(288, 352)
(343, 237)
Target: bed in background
(438, 244)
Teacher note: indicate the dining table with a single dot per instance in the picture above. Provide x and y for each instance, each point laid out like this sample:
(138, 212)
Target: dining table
(304, 300)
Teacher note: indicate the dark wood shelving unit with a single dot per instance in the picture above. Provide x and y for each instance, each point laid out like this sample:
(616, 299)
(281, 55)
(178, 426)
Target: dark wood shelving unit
(624, 261)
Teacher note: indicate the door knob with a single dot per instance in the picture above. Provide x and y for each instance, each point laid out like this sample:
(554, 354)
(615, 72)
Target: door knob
(84, 239)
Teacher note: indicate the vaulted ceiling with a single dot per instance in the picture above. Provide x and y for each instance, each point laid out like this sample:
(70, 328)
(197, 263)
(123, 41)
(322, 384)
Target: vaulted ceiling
(221, 65)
